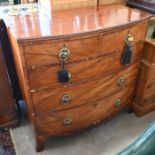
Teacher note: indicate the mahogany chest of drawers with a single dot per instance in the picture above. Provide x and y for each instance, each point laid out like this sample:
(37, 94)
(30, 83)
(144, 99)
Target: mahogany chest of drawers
(70, 66)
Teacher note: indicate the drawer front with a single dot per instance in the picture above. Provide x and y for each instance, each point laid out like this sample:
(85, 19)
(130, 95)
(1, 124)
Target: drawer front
(116, 40)
(47, 52)
(76, 119)
(73, 95)
(81, 71)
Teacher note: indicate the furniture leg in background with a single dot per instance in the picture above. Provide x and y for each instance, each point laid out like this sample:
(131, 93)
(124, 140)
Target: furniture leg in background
(9, 87)
(8, 113)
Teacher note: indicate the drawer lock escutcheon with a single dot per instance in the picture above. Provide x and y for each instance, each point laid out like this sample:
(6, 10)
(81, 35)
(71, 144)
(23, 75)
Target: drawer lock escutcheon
(67, 122)
(118, 103)
(65, 99)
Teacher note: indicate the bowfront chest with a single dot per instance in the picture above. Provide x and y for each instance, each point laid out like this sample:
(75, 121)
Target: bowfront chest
(77, 68)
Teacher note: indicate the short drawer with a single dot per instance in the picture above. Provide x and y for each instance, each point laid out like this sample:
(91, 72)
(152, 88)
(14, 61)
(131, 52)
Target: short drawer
(73, 95)
(116, 39)
(80, 71)
(67, 121)
(47, 51)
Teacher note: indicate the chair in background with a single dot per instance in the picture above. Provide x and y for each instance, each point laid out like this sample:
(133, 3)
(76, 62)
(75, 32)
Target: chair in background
(146, 5)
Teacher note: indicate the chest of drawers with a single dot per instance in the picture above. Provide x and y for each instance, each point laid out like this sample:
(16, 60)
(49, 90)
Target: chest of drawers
(88, 44)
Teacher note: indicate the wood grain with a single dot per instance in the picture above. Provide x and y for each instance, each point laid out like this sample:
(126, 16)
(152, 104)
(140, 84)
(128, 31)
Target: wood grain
(66, 4)
(74, 22)
(22, 75)
(47, 52)
(83, 71)
(8, 113)
(89, 57)
(82, 117)
(148, 53)
(84, 93)
(96, 40)
(145, 90)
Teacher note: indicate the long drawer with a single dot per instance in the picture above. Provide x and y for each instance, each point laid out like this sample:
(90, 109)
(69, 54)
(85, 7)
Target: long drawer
(47, 51)
(64, 122)
(73, 95)
(98, 66)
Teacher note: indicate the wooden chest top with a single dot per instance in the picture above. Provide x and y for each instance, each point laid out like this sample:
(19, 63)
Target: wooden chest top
(58, 24)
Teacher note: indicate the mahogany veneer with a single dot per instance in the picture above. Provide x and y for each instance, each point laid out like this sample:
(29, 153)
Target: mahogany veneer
(96, 40)
(8, 112)
(145, 92)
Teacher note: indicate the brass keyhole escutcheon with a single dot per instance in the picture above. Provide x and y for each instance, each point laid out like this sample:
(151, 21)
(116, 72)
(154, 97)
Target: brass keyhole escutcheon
(64, 53)
(118, 103)
(65, 99)
(121, 82)
(67, 122)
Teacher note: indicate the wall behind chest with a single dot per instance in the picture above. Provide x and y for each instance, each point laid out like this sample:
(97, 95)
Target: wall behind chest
(69, 4)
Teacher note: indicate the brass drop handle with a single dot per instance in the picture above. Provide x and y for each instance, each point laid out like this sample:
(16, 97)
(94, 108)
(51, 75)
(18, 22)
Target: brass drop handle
(67, 122)
(127, 54)
(65, 99)
(64, 75)
(118, 103)
(121, 82)
(64, 53)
